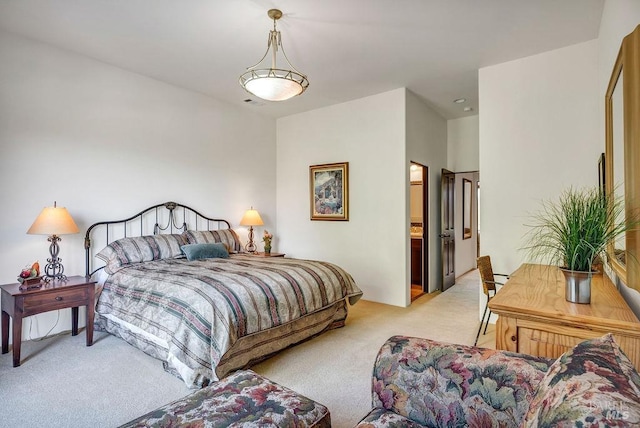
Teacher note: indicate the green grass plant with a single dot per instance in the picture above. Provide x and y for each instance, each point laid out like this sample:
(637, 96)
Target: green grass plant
(574, 230)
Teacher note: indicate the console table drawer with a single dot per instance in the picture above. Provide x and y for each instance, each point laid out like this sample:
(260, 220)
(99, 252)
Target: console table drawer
(548, 344)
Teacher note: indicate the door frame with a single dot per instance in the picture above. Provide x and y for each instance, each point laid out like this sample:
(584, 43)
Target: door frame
(425, 226)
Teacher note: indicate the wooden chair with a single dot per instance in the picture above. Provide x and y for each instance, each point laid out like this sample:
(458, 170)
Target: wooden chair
(489, 287)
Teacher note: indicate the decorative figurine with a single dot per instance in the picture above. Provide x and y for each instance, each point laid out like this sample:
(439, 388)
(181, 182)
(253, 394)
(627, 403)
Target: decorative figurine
(267, 237)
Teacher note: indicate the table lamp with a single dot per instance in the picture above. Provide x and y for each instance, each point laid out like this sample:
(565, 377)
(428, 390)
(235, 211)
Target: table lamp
(54, 221)
(251, 218)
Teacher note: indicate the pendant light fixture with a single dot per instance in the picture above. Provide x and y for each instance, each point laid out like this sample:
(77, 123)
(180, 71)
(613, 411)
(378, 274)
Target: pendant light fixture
(274, 84)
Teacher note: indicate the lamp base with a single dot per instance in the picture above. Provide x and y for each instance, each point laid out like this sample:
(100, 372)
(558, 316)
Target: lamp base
(54, 269)
(251, 246)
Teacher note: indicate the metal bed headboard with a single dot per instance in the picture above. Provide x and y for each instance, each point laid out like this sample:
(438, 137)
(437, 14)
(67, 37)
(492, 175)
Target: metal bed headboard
(149, 221)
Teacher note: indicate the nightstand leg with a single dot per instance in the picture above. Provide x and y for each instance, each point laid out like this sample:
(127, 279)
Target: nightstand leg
(17, 340)
(5, 332)
(74, 321)
(89, 327)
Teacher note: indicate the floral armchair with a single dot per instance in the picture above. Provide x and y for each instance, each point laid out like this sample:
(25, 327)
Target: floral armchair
(420, 382)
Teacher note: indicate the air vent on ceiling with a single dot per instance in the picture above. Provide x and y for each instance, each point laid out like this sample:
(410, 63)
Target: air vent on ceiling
(253, 102)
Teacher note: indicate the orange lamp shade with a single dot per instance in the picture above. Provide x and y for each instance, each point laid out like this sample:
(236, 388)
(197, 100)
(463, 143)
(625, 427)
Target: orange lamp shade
(53, 221)
(251, 218)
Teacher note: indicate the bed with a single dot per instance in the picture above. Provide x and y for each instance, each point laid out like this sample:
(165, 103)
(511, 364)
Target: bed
(177, 285)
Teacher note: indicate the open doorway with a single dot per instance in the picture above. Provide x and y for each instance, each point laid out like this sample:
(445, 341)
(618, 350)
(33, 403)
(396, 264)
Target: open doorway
(418, 203)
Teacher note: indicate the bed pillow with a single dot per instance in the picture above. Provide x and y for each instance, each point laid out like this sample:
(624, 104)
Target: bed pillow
(593, 384)
(225, 236)
(126, 251)
(205, 251)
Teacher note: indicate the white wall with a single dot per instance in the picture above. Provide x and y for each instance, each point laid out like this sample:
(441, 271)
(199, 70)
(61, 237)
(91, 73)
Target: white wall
(378, 136)
(427, 144)
(539, 135)
(369, 133)
(463, 153)
(619, 18)
(107, 143)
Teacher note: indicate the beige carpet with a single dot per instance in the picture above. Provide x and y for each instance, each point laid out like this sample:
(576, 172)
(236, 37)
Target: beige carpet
(335, 368)
(62, 383)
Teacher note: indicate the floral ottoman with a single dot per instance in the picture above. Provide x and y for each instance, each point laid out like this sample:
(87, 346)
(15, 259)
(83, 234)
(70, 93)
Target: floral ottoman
(242, 399)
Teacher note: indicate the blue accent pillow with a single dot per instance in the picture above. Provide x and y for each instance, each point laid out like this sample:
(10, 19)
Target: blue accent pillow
(205, 251)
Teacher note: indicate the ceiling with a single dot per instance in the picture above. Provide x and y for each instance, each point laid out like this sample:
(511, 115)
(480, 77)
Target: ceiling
(349, 49)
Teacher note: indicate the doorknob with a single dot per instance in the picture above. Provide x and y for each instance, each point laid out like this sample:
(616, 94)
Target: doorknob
(444, 235)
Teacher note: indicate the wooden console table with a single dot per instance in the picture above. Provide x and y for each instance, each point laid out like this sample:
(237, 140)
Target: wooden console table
(534, 317)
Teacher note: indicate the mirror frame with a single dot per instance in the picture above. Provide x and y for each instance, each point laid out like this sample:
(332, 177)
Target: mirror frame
(618, 267)
(628, 65)
(467, 208)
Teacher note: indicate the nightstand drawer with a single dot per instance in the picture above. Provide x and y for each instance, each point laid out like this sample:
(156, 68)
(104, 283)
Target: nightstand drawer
(55, 299)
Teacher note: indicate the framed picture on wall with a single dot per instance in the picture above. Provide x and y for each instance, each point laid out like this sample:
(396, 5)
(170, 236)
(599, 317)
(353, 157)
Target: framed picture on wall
(601, 173)
(329, 190)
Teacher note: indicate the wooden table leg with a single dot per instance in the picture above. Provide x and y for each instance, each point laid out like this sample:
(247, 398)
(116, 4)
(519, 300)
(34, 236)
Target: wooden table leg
(89, 327)
(5, 332)
(17, 339)
(74, 321)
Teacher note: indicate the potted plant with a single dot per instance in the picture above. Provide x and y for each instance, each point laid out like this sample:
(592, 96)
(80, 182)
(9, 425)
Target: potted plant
(574, 232)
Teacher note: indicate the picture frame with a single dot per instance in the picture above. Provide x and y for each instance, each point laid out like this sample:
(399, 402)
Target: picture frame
(329, 191)
(602, 173)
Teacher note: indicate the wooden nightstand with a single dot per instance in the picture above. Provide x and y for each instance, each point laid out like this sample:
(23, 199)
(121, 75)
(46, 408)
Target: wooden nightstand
(74, 292)
(267, 255)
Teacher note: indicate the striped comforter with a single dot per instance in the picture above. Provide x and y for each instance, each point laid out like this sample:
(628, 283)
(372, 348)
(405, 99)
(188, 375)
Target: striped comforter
(190, 313)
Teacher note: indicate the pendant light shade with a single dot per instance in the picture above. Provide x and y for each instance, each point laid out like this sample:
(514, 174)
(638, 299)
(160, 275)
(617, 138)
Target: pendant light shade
(274, 84)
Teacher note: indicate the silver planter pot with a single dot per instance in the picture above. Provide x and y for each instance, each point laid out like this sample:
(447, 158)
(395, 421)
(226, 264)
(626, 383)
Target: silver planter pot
(577, 285)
